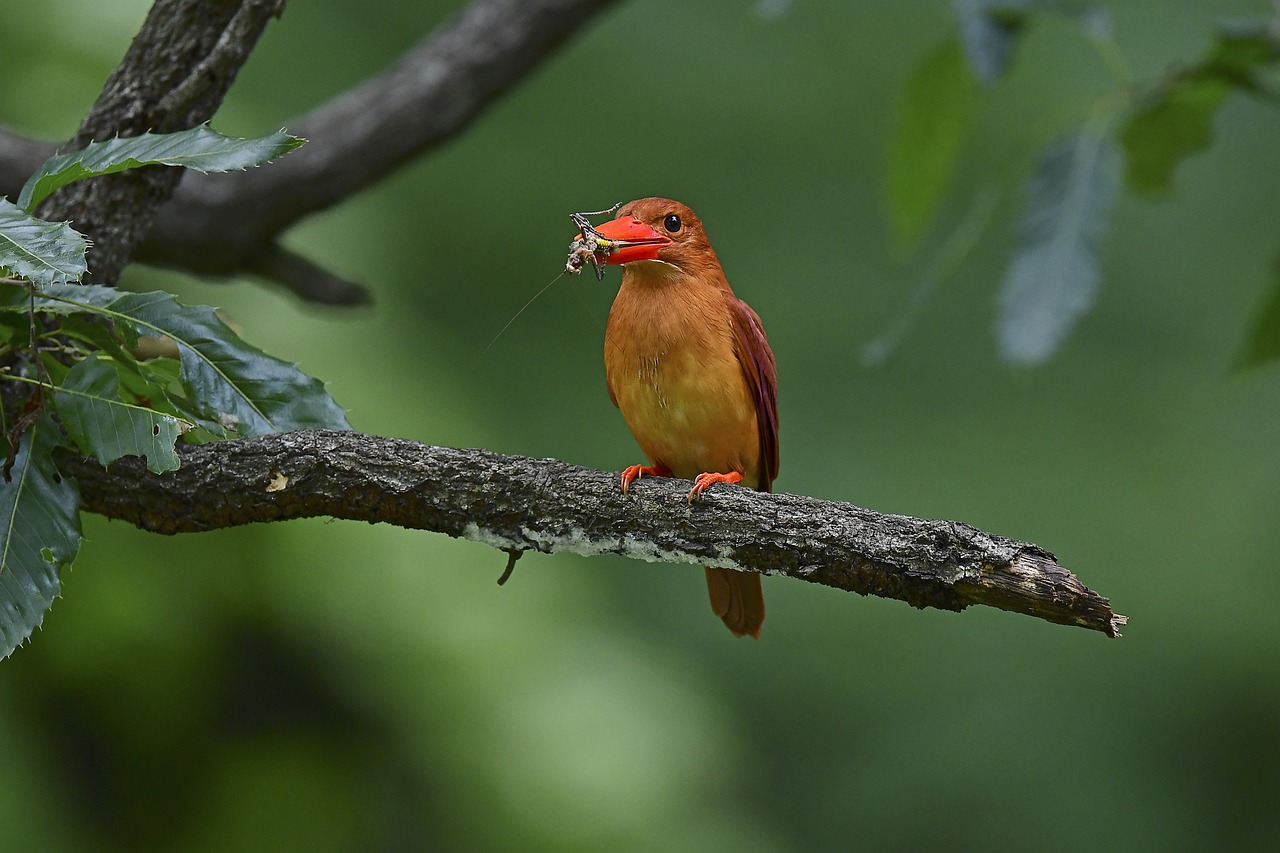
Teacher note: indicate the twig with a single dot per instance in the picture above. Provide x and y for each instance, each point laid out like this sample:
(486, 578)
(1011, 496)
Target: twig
(513, 554)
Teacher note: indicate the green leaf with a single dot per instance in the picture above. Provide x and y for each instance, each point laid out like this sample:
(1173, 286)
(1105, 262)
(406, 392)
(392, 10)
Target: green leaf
(43, 252)
(162, 372)
(230, 385)
(929, 133)
(11, 322)
(97, 335)
(39, 534)
(1239, 49)
(1053, 275)
(1176, 121)
(155, 384)
(105, 427)
(1264, 343)
(55, 369)
(1173, 127)
(199, 148)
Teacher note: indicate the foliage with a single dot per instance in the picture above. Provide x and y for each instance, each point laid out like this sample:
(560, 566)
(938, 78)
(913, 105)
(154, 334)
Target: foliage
(1055, 269)
(200, 149)
(94, 413)
(39, 533)
(1053, 276)
(47, 252)
(227, 386)
(1175, 119)
(125, 373)
(1263, 343)
(925, 147)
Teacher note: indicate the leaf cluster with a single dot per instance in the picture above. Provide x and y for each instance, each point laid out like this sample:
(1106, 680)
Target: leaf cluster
(109, 373)
(1137, 135)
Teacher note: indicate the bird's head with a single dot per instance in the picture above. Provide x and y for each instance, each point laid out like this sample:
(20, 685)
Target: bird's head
(663, 231)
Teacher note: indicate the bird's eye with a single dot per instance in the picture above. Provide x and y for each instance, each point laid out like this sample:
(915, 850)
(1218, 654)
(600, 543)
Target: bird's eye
(671, 223)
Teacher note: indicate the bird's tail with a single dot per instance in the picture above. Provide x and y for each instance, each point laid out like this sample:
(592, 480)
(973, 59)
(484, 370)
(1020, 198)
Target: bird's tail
(736, 597)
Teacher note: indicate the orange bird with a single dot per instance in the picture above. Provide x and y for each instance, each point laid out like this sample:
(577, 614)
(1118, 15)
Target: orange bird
(688, 364)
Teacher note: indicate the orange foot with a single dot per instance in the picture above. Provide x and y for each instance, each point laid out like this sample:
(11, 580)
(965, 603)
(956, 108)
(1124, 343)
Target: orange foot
(706, 481)
(635, 472)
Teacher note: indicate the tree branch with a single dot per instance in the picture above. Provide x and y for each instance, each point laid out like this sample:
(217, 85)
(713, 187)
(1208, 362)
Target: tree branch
(222, 225)
(19, 157)
(513, 502)
(173, 77)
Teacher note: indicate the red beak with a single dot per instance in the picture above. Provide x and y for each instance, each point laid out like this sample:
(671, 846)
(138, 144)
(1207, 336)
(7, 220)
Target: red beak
(632, 240)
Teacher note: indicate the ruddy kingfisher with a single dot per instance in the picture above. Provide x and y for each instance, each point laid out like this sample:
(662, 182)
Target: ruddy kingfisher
(688, 364)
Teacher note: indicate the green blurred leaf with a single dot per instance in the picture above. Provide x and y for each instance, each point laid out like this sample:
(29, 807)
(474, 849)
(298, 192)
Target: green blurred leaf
(230, 385)
(198, 148)
(1176, 121)
(1239, 48)
(39, 534)
(103, 425)
(989, 31)
(929, 133)
(1053, 274)
(43, 252)
(10, 323)
(1176, 125)
(1263, 344)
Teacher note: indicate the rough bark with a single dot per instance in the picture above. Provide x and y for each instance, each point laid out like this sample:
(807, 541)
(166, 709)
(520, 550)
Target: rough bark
(173, 77)
(223, 225)
(518, 503)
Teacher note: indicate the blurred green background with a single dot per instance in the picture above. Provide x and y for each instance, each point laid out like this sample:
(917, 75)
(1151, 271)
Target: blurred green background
(333, 686)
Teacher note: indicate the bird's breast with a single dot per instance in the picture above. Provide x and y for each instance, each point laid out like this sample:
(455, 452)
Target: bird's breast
(672, 369)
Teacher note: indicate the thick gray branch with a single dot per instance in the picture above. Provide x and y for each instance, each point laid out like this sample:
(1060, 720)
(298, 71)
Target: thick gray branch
(364, 134)
(513, 502)
(221, 225)
(173, 77)
(19, 157)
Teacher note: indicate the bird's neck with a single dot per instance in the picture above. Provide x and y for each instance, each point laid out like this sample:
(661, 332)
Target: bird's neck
(660, 308)
(659, 276)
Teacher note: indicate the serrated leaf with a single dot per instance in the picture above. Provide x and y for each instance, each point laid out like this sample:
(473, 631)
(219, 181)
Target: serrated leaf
(39, 534)
(933, 119)
(1176, 121)
(40, 251)
(1053, 275)
(989, 31)
(230, 385)
(1263, 344)
(105, 427)
(199, 148)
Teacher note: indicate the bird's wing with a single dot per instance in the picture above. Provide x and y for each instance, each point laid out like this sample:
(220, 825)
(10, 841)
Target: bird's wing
(762, 378)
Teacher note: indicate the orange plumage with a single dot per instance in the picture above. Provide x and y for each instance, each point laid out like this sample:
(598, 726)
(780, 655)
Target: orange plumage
(688, 364)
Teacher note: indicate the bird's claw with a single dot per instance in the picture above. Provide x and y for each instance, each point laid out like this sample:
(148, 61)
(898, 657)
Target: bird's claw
(635, 472)
(706, 480)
